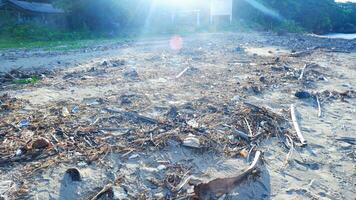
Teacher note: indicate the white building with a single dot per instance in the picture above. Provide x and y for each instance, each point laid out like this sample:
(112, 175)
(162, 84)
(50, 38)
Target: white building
(200, 9)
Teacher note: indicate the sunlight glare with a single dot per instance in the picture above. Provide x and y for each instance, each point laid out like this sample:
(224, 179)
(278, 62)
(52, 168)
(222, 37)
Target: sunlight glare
(175, 2)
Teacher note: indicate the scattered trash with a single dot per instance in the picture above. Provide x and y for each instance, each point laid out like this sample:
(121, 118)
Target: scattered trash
(75, 109)
(244, 153)
(65, 112)
(24, 122)
(191, 141)
(134, 156)
(20, 151)
(82, 164)
(17, 76)
(303, 95)
(92, 101)
(193, 123)
(31, 80)
(161, 167)
(154, 139)
(74, 174)
(40, 143)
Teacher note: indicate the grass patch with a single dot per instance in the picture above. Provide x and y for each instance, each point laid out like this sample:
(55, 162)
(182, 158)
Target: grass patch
(34, 36)
(60, 45)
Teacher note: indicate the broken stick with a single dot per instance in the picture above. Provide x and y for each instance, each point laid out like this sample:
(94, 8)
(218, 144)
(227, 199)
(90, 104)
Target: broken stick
(319, 106)
(302, 74)
(181, 74)
(242, 134)
(101, 193)
(218, 187)
(249, 127)
(296, 126)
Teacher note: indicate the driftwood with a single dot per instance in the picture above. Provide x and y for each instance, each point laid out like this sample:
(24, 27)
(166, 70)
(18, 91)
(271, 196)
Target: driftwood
(296, 126)
(218, 187)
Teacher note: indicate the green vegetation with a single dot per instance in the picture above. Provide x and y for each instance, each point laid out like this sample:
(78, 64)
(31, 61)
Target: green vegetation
(318, 16)
(34, 36)
(31, 80)
(90, 22)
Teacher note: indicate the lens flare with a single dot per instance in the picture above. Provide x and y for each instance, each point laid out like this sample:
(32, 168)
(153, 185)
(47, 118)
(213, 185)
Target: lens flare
(264, 9)
(176, 43)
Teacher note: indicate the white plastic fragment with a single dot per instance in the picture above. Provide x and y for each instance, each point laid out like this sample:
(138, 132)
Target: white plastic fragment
(65, 112)
(193, 123)
(191, 141)
(133, 156)
(161, 167)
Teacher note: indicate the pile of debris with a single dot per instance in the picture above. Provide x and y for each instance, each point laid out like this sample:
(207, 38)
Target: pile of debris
(63, 133)
(18, 76)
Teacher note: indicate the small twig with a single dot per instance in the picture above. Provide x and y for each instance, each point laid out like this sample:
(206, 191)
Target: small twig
(249, 153)
(14, 78)
(127, 153)
(302, 74)
(255, 161)
(249, 127)
(54, 138)
(242, 134)
(181, 74)
(290, 150)
(87, 141)
(152, 139)
(183, 183)
(327, 98)
(296, 126)
(96, 121)
(319, 106)
(106, 153)
(102, 192)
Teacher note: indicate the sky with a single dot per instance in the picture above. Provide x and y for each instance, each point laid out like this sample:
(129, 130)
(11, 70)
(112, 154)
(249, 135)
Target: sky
(354, 1)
